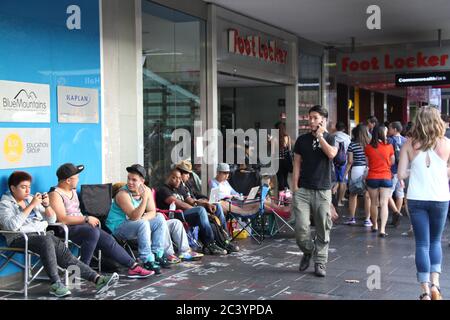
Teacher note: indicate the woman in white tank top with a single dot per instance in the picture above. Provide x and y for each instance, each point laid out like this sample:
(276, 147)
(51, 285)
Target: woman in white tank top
(427, 155)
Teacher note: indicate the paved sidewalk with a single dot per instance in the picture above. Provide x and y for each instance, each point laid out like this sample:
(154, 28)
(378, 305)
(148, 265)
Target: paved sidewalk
(270, 271)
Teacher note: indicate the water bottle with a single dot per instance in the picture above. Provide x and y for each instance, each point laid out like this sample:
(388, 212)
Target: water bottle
(172, 208)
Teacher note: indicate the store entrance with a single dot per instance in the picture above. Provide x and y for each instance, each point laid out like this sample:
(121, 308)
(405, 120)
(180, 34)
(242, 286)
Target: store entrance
(247, 103)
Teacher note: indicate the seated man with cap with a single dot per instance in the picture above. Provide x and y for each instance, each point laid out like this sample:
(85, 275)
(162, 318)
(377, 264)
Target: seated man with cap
(195, 215)
(226, 191)
(133, 216)
(84, 230)
(194, 198)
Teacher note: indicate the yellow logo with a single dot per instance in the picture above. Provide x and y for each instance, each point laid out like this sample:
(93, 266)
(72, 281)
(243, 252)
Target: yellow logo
(13, 148)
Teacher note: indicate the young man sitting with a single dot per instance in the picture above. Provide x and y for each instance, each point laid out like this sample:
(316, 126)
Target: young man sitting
(195, 216)
(21, 211)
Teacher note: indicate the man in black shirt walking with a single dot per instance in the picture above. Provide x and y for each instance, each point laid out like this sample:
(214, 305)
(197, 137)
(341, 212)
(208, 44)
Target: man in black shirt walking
(313, 155)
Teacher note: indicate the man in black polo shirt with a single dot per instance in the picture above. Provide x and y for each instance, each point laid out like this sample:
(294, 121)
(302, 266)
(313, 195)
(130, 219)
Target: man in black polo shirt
(194, 215)
(313, 155)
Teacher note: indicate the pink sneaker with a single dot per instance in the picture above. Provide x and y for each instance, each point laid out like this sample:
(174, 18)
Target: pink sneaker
(139, 273)
(173, 259)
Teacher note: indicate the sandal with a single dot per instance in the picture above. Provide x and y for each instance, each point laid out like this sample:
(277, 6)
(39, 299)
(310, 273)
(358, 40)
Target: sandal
(436, 294)
(423, 295)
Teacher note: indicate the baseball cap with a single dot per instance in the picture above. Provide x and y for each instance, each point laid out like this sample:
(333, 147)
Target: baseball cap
(223, 167)
(68, 170)
(138, 169)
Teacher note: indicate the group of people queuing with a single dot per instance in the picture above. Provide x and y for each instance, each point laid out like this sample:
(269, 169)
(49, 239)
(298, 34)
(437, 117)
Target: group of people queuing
(406, 171)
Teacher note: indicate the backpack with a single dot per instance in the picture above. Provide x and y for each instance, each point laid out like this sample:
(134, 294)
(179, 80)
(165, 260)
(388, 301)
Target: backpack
(221, 237)
(397, 148)
(341, 156)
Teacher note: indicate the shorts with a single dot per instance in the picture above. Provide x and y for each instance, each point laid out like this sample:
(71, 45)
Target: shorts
(379, 183)
(397, 188)
(340, 172)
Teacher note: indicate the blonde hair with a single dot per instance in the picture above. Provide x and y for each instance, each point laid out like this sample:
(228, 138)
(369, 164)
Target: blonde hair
(428, 128)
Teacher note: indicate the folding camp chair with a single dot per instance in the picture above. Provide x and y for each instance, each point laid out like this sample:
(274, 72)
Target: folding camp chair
(26, 259)
(96, 200)
(251, 219)
(280, 220)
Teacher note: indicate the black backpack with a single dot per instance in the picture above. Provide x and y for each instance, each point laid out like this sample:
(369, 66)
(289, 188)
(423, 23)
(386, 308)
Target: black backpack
(341, 157)
(221, 237)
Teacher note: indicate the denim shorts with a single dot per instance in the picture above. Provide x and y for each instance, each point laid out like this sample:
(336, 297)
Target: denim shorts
(379, 183)
(340, 173)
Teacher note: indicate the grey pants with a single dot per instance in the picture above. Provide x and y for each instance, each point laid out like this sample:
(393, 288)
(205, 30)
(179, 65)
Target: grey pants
(53, 252)
(177, 234)
(316, 203)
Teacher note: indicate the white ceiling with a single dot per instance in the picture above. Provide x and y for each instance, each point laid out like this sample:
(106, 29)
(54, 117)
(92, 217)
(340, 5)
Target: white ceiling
(334, 22)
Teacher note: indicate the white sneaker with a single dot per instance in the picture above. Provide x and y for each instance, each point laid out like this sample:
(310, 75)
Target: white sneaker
(367, 223)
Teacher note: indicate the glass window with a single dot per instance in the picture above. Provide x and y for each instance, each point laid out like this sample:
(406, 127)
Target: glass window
(171, 57)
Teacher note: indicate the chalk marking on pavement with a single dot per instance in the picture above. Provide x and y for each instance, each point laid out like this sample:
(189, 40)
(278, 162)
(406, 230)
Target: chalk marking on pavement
(280, 292)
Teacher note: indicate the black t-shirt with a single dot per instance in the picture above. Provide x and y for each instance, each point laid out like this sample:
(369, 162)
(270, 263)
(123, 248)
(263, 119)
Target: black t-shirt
(188, 191)
(165, 192)
(315, 172)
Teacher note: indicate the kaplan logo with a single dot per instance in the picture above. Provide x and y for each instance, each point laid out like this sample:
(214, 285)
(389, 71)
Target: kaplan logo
(76, 100)
(24, 100)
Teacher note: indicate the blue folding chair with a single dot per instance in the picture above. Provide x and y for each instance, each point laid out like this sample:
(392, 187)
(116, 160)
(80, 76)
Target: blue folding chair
(252, 219)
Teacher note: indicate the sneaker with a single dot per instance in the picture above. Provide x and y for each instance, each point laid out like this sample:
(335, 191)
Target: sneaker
(163, 262)
(153, 266)
(320, 270)
(139, 273)
(350, 221)
(214, 249)
(190, 256)
(304, 263)
(367, 223)
(105, 282)
(173, 259)
(59, 290)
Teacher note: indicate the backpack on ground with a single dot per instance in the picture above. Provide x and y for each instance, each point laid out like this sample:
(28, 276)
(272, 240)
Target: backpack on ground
(221, 237)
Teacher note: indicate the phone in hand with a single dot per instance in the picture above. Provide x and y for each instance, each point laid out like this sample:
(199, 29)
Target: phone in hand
(141, 189)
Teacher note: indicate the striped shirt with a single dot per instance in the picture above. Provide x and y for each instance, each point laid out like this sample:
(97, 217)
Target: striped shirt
(359, 157)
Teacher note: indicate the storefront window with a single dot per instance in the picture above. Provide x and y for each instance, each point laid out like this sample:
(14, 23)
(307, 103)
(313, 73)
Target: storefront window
(172, 44)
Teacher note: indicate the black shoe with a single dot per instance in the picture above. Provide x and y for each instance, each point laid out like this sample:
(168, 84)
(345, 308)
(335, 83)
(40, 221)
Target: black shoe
(231, 247)
(304, 264)
(152, 265)
(383, 235)
(214, 249)
(163, 262)
(320, 270)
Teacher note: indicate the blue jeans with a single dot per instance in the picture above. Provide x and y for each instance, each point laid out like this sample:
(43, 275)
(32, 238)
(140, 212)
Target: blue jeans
(219, 213)
(198, 216)
(150, 235)
(428, 221)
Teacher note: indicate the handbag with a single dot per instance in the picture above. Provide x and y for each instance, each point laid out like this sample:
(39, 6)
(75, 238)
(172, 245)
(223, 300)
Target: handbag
(357, 186)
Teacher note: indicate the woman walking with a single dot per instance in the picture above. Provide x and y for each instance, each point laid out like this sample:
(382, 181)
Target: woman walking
(427, 152)
(380, 156)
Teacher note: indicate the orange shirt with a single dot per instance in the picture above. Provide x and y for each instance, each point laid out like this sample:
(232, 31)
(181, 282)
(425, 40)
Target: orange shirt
(379, 161)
